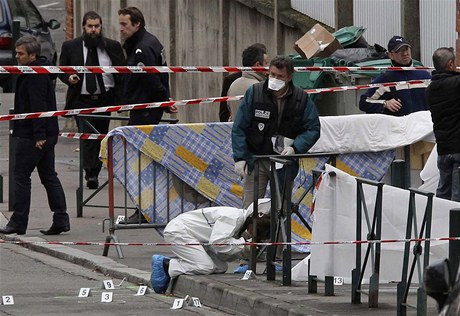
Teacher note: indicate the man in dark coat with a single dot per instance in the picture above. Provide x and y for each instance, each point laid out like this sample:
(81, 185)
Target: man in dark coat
(88, 91)
(143, 49)
(35, 141)
(443, 95)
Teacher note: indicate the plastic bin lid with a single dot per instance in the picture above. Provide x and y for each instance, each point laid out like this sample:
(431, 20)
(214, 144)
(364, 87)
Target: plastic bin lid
(349, 34)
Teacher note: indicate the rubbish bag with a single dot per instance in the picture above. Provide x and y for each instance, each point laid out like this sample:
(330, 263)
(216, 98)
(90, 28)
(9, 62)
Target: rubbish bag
(351, 56)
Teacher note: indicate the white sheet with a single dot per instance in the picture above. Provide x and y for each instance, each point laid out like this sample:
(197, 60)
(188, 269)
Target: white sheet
(335, 220)
(372, 132)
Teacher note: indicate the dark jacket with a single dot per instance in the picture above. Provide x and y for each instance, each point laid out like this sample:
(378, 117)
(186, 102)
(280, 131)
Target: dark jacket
(144, 49)
(72, 55)
(304, 127)
(443, 95)
(35, 93)
(412, 99)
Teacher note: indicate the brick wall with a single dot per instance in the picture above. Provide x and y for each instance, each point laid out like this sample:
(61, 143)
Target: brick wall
(69, 19)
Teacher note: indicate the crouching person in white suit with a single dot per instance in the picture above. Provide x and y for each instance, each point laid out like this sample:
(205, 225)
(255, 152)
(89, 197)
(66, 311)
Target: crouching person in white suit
(228, 226)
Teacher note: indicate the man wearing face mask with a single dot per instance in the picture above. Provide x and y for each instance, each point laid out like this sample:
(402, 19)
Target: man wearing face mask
(274, 117)
(90, 90)
(399, 100)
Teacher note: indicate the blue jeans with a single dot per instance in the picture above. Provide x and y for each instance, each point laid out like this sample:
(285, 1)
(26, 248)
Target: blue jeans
(449, 177)
(27, 159)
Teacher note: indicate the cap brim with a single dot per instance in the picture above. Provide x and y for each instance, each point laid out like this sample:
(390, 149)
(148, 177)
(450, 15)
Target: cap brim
(399, 46)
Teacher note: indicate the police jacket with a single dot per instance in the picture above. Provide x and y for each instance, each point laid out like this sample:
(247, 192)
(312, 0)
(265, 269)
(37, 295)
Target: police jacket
(443, 95)
(35, 93)
(257, 121)
(412, 98)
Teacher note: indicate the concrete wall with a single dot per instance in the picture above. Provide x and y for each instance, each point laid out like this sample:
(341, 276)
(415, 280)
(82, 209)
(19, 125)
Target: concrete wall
(194, 33)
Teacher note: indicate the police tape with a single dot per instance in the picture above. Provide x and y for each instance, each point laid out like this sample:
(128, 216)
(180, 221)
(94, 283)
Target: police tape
(311, 243)
(43, 70)
(119, 108)
(16, 70)
(86, 136)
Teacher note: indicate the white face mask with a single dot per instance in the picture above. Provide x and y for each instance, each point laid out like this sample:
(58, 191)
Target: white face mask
(275, 84)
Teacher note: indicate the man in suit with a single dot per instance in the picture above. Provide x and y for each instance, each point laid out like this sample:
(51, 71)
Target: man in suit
(91, 90)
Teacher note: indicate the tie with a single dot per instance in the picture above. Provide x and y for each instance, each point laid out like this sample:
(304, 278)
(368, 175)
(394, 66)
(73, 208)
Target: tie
(91, 60)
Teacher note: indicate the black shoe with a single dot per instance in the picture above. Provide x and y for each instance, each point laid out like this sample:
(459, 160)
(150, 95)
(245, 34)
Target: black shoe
(55, 230)
(134, 219)
(10, 230)
(92, 183)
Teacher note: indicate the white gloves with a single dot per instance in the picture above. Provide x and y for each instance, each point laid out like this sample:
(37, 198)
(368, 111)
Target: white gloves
(288, 151)
(241, 168)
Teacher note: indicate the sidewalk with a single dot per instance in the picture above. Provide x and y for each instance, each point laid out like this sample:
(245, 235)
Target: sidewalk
(226, 292)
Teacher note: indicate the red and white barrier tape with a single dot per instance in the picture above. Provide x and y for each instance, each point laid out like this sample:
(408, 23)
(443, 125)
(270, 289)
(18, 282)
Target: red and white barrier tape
(82, 136)
(312, 243)
(129, 107)
(177, 69)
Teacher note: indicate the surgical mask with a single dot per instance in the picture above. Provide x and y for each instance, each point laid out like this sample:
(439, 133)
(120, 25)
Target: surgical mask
(275, 84)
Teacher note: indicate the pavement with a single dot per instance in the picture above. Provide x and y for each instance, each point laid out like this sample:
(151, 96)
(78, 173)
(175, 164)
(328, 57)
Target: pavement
(226, 292)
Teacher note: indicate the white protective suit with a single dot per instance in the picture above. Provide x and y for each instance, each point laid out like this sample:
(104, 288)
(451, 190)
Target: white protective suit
(207, 225)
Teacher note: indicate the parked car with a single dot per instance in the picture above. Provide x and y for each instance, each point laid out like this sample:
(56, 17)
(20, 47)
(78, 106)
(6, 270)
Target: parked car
(31, 22)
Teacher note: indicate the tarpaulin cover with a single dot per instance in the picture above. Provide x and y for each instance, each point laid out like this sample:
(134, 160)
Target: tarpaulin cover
(201, 156)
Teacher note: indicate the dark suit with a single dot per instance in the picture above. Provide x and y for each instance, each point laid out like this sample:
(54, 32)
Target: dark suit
(72, 55)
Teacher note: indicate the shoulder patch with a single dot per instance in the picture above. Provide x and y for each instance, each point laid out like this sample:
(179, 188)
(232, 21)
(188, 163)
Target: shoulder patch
(138, 51)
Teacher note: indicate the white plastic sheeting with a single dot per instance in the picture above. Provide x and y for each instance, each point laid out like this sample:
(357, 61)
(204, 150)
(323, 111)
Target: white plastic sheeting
(335, 214)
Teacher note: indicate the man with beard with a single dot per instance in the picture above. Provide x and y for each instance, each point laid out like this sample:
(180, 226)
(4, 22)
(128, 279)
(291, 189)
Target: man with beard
(91, 90)
(400, 100)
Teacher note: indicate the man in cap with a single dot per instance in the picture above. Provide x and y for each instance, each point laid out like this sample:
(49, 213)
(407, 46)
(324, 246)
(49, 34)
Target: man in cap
(398, 100)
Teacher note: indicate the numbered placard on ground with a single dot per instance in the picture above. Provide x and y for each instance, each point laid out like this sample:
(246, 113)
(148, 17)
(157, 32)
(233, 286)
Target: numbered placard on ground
(84, 292)
(106, 297)
(249, 274)
(178, 303)
(338, 280)
(143, 289)
(108, 285)
(120, 218)
(7, 300)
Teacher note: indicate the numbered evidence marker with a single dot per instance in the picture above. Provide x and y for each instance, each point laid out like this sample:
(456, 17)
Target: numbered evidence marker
(178, 303)
(108, 285)
(84, 292)
(338, 280)
(120, 218)
(249, 274)
(186, 301)
(7, 300)
(106, 297)
(143, 289)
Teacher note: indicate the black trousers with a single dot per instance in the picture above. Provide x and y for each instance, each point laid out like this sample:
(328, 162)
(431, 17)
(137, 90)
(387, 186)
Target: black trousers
(90, 148)
(27, 159)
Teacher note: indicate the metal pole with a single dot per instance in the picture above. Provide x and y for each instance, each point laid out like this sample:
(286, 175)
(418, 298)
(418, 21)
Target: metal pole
(11, 164)
(398, 174)
(454, 245)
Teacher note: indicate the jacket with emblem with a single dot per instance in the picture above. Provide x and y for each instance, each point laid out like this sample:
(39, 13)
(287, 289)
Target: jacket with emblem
(256, 122)
(144, 49)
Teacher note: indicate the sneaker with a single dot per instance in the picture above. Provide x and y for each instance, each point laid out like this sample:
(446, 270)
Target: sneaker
(241, 269)
(160, 277)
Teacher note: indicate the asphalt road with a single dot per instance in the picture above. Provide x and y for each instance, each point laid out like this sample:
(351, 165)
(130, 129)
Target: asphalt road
(44, 285)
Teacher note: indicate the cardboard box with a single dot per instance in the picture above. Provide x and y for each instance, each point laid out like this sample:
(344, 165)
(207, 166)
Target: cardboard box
(317, 42)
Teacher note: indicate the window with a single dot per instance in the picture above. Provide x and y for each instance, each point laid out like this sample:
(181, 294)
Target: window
(25, 12)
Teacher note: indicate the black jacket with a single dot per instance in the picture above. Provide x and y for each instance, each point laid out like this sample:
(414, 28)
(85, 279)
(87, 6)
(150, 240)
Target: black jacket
(443, 95)
(72, 55)
(35, 93)
(144, 49)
